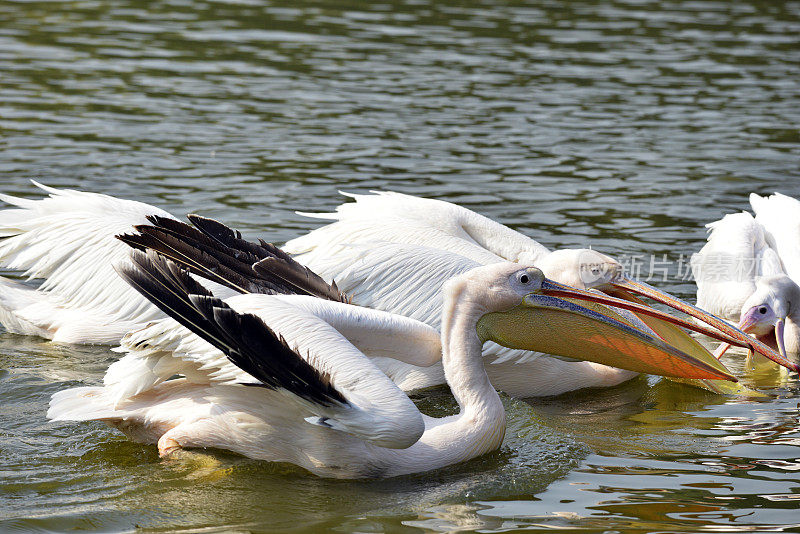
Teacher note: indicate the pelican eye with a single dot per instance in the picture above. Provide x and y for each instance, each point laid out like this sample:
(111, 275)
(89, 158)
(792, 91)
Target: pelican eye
(762, 310)
(529, 278)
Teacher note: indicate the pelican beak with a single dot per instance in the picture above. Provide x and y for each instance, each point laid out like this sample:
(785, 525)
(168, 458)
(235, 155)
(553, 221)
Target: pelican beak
(748, 320)
(746, 324)
(779, 337)
(551, 320)
(625, 288)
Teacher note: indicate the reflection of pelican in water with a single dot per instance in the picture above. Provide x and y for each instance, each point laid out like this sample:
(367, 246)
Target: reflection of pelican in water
(749, 270)
(285, 377)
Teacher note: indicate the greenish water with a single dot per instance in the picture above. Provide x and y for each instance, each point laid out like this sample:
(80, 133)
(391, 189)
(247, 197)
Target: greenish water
(621, 125)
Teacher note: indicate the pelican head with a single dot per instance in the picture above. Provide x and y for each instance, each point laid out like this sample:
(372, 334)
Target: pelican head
(767, 309)
(589, 269)
(520, 308)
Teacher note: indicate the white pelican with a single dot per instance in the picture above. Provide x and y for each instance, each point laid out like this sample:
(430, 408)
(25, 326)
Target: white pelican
(68, 240)
(286, 378)
(393, 238)
(748, 271)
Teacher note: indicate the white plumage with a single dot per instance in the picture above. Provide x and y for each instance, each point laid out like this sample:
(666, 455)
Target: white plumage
(779, 216)
(407, 279)
(81, 226)
(209, 406)
(398, 218)
(748, 271)
(288, 378)
(392, 251)
(67, 240)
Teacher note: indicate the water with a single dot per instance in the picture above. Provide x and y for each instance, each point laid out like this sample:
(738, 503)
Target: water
(624, 125)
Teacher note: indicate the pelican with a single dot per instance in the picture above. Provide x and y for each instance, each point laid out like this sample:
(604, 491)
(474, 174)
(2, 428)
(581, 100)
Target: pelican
(403, 241)
(748, 271)
(68, 239)
(287, 378)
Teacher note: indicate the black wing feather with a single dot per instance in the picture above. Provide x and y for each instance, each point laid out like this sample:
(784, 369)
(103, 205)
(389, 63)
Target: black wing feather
(214, 251)
(229, 237)
(202, 260)
(271, 260)
(244, 338)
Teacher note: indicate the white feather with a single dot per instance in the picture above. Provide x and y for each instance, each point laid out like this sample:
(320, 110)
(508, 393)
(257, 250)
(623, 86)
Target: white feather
(727, 267)
(67, 239)
(383, 413)
(209, 405)
(399, 218)
(394, 252)
(779, 216)
(750, 262)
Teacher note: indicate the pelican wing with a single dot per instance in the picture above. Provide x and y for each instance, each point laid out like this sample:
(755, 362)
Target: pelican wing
(218, 253)
(400, 278)
(304, 357)
(394, 217)
(726, 268)
(243, 338)
(67, 239)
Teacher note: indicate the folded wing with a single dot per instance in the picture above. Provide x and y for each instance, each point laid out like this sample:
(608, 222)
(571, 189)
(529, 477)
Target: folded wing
(304, 357)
